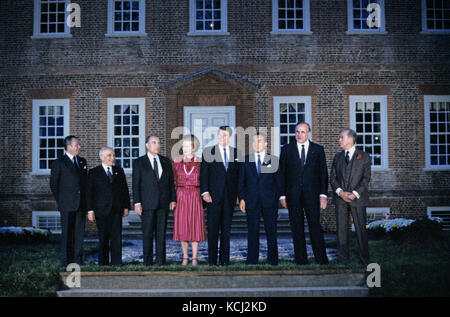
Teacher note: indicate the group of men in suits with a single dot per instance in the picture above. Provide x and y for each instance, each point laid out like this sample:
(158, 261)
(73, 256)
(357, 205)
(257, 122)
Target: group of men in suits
(298, 180)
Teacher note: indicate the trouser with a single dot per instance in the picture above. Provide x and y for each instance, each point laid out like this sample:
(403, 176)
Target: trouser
(72, 236)
(359, 219)
(296, 218)
(154, 221)
(270, 225)
(219, 220)
(110, 238)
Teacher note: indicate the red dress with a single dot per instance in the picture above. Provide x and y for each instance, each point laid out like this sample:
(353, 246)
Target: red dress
(189, 221)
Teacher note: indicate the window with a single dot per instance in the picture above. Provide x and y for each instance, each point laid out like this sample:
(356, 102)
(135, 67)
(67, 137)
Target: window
(290, 16)
(368, 117)
(374, 214)
(126, 18)
(47, 220)
(288, 111)
(365, 16)
(437, 132)
(50, 18)
(441, 212)
(126, 129)
(436, 16)
(208, 17)
(50, 126)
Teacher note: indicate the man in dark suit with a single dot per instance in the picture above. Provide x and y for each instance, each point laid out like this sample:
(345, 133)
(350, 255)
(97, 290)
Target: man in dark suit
(153, 194)
(259, 187)
(349, 179)
(107, 200)
(304, 190)
(68, 185)
(219, 172)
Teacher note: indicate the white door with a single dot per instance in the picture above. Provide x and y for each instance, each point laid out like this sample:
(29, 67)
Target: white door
(204, 122)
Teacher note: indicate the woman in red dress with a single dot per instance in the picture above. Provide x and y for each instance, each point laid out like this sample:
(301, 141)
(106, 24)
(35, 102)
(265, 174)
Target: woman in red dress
(189, 221)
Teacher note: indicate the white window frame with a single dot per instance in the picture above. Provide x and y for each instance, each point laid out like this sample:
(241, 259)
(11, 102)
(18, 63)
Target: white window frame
(438, 208)
(37, 23)
(223, 20)
(36, 103)
(306, 20)
(386, 211)
(425, 29)
(352, 30)
(110, 133)
(110, 22)
(277, 100)
(35, 218)
(427, 100)
(382, 99)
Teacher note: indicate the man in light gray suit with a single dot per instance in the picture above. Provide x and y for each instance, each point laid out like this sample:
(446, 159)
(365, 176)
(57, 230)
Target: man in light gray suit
(349, 179)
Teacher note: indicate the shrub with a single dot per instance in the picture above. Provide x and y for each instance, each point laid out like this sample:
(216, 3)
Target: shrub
(24, 234)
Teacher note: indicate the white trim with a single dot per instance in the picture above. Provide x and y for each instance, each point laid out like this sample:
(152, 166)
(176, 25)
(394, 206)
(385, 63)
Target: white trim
(110, 130)
(35, 218)
(382, 99)
(427, 99)
(306, 21)
(229, 110)
(353, 31)
(438, 208)
(223, 21)
(425, 29)
(37, 23)
(277, 100)
(386, 211)
(110, 22)
(36, 103)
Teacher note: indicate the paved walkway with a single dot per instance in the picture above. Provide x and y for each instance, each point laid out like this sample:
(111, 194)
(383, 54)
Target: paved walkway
(132, 251)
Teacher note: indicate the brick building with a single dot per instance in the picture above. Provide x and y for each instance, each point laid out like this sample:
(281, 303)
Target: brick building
(140, 67)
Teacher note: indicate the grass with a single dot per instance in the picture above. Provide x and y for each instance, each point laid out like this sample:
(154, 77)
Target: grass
(419, 269)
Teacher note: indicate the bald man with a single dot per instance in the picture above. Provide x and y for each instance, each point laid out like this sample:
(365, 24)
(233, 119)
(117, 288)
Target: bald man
(108, 200)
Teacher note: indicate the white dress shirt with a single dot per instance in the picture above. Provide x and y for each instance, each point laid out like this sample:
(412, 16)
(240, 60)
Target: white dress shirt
(261, 157)
(160, 170)
(351, 151)
(152, 158)
(299, 147)
(223, 159)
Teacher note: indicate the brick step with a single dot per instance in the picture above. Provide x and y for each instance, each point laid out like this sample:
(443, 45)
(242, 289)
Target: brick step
(230, 284)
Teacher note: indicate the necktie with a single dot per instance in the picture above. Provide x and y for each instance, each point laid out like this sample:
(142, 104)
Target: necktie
(225, 158)
(75, 162)
(108, 172)
(302, 157)
(258, 167)
(347, 157)
(155, 168)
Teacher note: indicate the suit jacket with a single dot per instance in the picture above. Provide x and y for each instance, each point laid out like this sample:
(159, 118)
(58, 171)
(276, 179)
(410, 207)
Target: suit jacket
(215, 179)
(265, 187)
(147, 189)
(104, 197)
(68, 183)
(313, 179)
(358, 179)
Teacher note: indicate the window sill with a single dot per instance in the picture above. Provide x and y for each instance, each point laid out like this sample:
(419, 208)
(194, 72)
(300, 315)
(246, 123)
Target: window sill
(368, 32)
(381, 169)
(56, 36)
(220, 33)
(126, 34)
(291, 33)
(436, 32)
(436, 169)
(40, 173)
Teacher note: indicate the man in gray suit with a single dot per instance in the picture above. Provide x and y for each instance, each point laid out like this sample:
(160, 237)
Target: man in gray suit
(349, 179)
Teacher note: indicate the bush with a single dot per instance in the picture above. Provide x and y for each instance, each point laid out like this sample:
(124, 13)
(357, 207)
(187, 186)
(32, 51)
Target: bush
(24, 235)
(405, 230)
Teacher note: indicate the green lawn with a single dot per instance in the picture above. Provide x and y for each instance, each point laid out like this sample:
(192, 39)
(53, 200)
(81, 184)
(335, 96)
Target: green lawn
(406, 269)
